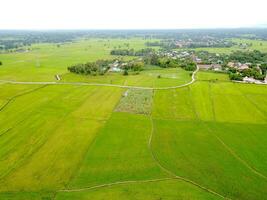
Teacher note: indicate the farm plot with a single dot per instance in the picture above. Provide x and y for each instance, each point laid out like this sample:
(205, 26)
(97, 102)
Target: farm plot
(227, 98)
(147, 78)
(174, 104)
(136, 101)
(10, 92)
(211, 76)
(228, 157)
(190, 150)
(43, 61)
(247, 142)
(119, 153)
(159, 78)
(56, 126)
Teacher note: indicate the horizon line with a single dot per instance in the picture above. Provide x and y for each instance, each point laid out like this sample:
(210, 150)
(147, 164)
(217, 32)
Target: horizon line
(128, 29)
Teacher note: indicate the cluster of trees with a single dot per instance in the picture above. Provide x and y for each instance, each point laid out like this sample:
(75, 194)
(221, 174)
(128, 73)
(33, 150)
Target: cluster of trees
(166, 62)
(263, 68)
(134, 66)
(99, 67)
(195, 42)
(258, 65)
(248, 56)
(132, 52)
(188, 65)
(154, 44)
(236, 76)
(12, 44)
(252, 57)
(164, 44)
(17, 39)
(253, 71)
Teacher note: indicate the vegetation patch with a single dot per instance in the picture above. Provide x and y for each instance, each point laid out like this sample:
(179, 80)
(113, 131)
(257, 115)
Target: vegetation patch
(137, 101)
(119, 153)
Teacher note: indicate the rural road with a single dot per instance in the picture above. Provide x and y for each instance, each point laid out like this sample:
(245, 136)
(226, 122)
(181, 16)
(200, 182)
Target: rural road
(103, 84)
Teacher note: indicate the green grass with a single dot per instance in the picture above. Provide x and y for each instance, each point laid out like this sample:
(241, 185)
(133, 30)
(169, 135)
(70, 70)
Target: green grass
(216, 137)
(119, 153)
(228, 99)
(173, 104)
(146, 78)
(10, 91)
(59, 137)
(171, 189)
(42, 137)
(247, 141)
(212, 76)
(26, 196)
(46, 60)
(189, 149)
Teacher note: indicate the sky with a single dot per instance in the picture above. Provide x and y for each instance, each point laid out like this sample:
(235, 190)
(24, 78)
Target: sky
(131, 14)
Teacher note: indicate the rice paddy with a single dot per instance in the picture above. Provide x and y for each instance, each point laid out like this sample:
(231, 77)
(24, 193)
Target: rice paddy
(206, 140)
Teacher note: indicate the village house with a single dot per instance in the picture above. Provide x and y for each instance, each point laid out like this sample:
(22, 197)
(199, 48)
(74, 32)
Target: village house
(178, 44)
(231, 64)
(248, 79)
(243, 67)
(252, 80)
(216, 67)
(114, 67)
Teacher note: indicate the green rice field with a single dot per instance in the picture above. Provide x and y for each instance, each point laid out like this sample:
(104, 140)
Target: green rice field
(203, 141)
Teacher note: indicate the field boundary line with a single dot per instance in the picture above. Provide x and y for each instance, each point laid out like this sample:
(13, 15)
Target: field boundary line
(19, 95)
(104, 84)
(115, 183)
(232, 152)
(229, 149)
(22, 162)
(256, 105)
(10, 128)
(192, 104)
(173, 174)
(79, 166)
(212, 103)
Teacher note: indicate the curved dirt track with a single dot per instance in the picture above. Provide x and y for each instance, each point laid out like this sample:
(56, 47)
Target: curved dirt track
(103, 84)
(115, 183)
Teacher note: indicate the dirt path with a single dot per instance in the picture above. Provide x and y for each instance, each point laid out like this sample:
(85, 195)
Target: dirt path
(19, 95)
(252, 169)
(115, 183)
(103, 84)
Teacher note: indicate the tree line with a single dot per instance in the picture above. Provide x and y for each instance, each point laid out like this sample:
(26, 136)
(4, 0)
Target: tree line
(131, 52)
(99, 67)
(248, 56)
(257, 72)
(167, 62)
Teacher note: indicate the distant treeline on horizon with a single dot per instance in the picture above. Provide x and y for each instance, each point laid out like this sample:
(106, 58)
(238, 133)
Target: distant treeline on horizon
(11, 39)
